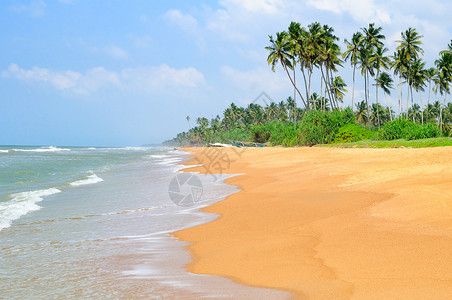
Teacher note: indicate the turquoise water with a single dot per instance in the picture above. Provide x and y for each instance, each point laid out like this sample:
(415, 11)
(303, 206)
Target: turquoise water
(96, 223)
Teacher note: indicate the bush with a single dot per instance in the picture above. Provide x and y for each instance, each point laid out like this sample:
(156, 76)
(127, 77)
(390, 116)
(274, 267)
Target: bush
(352, 133)
(408, 130)
(277, 133)
(319, 127)
(394, 130)
(425, 131)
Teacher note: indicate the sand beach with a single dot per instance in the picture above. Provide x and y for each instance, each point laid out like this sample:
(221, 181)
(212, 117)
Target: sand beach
(326, 223)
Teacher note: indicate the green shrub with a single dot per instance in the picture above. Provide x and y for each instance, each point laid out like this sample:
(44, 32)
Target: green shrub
(395, 130)
(277, 133)
(352, 133)
(425, 131)
(319, 127)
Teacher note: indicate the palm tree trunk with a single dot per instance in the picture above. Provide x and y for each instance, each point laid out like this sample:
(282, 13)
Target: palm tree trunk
(294, 100)
(401, 96)
(412, 102)
(422, 112)
(407, 100)
(285, 68)
(428, 100)
(376, 99)
(389, 108)
(353, 89)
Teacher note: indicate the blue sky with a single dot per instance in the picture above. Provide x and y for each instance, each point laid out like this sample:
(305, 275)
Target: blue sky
(118, 73)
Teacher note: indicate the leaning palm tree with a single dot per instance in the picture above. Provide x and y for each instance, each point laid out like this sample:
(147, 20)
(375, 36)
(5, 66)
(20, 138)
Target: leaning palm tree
(384, 81)
(280, 52)
(352, 54)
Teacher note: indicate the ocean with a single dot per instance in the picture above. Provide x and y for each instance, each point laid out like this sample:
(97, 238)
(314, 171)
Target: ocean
(79, 222)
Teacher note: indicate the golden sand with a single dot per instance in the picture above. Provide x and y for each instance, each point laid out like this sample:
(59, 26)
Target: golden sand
(328, 223)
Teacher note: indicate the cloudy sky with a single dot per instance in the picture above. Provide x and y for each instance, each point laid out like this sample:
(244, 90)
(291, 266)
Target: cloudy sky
(119, 73)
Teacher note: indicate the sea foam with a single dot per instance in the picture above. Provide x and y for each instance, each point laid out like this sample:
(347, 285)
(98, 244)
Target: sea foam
(43, 149)
(91, 179)
(21, 204)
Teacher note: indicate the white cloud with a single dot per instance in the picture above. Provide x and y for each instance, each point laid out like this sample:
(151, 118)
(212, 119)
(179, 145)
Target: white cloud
(161, 77)
(146, 79)
(35, 9)
(256, 6)
(115, 52)
(185, 21)
(360, 10)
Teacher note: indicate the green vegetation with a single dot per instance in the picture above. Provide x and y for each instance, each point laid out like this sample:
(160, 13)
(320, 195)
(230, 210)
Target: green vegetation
(424, 143)
(314, 52)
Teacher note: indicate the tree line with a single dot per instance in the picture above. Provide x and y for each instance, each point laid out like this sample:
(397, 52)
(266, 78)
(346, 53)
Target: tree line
(314, 51)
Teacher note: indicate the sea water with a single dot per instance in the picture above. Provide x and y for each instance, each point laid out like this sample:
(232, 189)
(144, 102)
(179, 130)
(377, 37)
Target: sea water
(96, 223)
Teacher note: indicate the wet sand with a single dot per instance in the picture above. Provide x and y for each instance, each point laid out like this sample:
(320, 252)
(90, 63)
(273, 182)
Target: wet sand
(327, 223)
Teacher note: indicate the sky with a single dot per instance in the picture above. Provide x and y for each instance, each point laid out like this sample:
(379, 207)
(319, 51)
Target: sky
(127, 73)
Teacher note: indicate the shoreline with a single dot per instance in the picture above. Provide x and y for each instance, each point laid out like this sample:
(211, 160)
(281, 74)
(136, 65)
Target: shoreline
(322, 222)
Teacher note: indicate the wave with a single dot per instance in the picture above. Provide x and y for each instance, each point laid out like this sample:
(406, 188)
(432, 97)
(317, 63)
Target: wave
(4, 151)
(42, 149)
(21, 204)
(91, 179)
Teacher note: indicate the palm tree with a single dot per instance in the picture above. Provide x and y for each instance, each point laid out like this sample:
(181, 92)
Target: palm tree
(384, 81)
(429, 75)
(410, 48)
(361, 114)
(280, 51)
(444, 77)
(379, 60)
(352, 54)
(372, 39)
(398, 64)
(338, 88)
(188, 120)
(294, 33)
(418, 77)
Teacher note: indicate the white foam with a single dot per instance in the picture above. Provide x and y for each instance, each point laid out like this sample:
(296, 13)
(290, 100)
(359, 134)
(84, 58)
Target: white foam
(21, 204)
(3, 151)
(158, 156)
(42, 149)
(91, 179)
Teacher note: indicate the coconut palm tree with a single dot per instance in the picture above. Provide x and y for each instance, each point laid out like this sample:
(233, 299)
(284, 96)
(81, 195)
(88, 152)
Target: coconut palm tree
(384, 81)
(429, 76)
(352, 54)
(379, 60)
(188, 120)
(361, 113)
(294, 34)
(398, 64)
(338, 89)
(280, 51)
(410, 48)
(372, 39)
(418, 74)
(444, 77)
